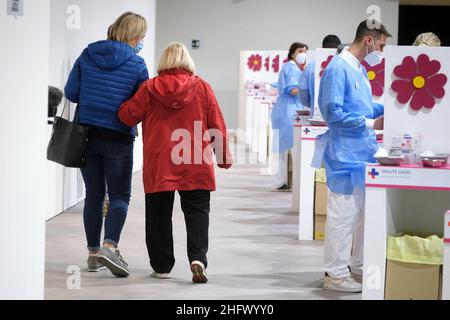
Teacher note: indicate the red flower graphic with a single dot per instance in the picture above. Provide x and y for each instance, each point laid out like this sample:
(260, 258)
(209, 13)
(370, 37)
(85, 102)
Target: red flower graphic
(324, 65)
(254, 62)
(420, 80)
(276, 64)
(376, 77)
(267, 64)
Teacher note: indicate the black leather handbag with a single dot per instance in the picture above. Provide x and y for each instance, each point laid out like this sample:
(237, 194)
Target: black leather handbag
(67, 145)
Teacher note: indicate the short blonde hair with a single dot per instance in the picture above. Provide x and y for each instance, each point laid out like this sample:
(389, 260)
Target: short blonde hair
(429, 39)
(176, 56)
(129, 26)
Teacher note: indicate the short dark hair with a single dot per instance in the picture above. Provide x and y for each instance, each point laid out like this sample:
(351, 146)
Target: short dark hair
(331, 41)
(294, 47)
(371, 28)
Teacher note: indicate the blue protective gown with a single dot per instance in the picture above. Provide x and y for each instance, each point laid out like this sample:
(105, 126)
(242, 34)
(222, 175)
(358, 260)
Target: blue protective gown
(307, 82)
(285, 108)
(345, 101)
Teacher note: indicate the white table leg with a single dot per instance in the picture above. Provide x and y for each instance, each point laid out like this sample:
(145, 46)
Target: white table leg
(296, 159)
(375, 233)
(306, 215)
(262, 133)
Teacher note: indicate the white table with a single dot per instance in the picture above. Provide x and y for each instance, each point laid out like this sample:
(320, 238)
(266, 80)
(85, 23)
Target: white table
(249, 97)
(403, 199)
(298, 122)
(446, 275)
(306, 176)
(259, 125)
(263, 126)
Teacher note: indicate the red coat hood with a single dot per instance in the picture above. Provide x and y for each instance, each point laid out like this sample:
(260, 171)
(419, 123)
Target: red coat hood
(173, 88)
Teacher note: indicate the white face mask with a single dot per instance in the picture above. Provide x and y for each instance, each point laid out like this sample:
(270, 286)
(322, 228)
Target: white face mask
(301, 58)
(374, 58)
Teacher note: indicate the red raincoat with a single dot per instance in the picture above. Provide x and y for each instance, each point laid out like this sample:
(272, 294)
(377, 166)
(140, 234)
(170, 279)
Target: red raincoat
(182, 125)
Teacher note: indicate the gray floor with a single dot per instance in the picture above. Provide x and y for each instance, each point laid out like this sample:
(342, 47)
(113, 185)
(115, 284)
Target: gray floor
(254, 252)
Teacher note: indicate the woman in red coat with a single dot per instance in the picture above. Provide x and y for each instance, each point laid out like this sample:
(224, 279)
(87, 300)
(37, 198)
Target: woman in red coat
(182, 125)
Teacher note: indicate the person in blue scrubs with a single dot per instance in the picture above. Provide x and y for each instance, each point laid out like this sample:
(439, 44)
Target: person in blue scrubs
(345, 101)
(307, 79)
(283, 112)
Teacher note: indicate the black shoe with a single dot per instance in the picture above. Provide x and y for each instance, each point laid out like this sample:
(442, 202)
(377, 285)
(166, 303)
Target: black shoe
(198, 272)
(283, 188)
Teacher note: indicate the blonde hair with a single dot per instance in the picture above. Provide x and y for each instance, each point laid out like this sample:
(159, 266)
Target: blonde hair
(176, 56)
(129, 26)
(429, 39)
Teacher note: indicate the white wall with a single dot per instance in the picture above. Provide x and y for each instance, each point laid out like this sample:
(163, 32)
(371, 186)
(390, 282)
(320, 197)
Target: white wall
(23, 205)
(65, 47)
(226, 27)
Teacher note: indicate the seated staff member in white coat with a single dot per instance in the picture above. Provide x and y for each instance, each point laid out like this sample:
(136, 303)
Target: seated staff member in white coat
(307, 79)
(345, 101)
(288, 102)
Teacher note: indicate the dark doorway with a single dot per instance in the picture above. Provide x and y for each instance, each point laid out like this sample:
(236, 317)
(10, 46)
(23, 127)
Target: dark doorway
(414, 20)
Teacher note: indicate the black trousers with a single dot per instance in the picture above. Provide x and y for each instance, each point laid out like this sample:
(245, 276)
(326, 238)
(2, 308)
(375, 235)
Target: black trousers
(158, 227)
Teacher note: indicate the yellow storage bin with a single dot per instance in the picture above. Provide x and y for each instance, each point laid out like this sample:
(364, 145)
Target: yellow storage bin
(413, 269)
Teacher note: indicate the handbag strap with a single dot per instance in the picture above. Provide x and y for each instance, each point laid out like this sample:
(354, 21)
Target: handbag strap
(76, 115)
(66, 102)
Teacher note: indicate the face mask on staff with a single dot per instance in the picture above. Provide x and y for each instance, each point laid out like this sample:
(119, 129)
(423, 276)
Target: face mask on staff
(375, 57)
(301, 58)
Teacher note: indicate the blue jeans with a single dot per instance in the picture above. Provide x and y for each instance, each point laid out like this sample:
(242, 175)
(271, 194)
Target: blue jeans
(107, 164)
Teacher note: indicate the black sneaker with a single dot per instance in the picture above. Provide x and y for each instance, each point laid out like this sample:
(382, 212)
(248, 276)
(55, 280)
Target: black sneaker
(283, 188)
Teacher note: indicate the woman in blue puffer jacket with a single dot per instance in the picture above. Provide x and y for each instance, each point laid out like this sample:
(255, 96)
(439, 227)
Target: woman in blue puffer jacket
(106, 75)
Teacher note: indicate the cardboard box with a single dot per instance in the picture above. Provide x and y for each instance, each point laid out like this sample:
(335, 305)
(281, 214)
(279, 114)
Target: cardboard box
(411, 281)
(319, 227)
(320, 199)
(320, 175)
(290, 170)
(320, 210)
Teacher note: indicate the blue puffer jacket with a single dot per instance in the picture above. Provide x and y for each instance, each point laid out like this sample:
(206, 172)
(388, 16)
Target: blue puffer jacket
(105, 75)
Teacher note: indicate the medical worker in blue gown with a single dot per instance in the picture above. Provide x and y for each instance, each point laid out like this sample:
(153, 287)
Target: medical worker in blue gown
(283, 112)
(345, 101)
(307, 79)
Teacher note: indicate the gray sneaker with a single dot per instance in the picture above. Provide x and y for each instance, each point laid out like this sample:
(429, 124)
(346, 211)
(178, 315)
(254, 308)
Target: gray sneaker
(94, 265)
(346, 284)
(114, 262)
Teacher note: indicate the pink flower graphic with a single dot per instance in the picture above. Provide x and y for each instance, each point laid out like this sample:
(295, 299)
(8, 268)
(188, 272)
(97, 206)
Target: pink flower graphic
(324, 65)
(276, 64)
(267, 63)
(254, 62)
(420, 80)
(376, 77)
